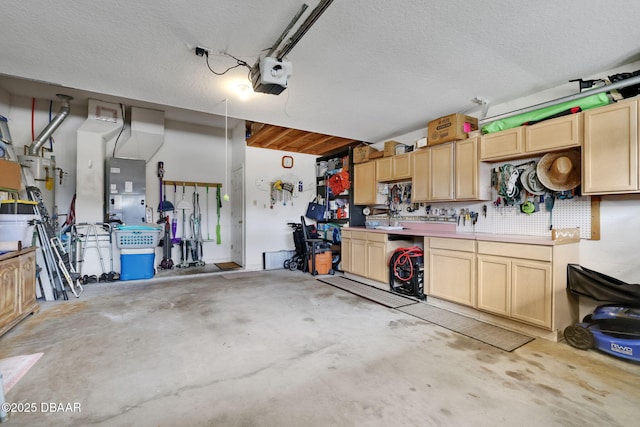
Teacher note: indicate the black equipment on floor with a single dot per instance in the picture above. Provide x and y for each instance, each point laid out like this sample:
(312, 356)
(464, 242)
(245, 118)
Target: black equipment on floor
(314, 245)
(167, 261)
(308, 243)
(406, 272)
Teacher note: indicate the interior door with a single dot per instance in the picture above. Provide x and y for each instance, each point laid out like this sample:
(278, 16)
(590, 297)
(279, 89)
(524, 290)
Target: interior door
(237, 216)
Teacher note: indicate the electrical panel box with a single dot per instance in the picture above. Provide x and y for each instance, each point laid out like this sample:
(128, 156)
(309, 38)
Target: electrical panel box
(125, 191)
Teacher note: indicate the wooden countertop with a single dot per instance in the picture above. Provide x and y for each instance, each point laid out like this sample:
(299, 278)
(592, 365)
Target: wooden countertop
(449, 231)
(14, 254)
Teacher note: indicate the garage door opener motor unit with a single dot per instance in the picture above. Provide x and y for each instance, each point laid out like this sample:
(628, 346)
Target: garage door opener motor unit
(406, 272)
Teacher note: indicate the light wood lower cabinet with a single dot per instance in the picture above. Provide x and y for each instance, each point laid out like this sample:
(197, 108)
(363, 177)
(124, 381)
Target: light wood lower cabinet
(17, 287)
(526, 283)
(452, 270)
(369, 254)
(345, 250)
(519, 289)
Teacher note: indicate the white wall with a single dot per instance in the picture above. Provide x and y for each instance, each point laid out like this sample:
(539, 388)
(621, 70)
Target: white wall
(266, 227)
(192, 153)
(5, 102)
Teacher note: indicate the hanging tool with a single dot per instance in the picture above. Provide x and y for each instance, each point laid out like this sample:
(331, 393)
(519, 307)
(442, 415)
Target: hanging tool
(207, 212)
(549, 201)
(164, 205)
(184, 241)
(174, 220)
(196, 231)
(218, 206)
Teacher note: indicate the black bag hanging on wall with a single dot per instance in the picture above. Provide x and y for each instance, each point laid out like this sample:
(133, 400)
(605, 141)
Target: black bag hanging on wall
(315, 210)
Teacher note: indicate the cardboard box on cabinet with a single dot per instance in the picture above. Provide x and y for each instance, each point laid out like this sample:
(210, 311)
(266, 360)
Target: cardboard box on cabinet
(361, 154)
(390, 148)
(450, 128)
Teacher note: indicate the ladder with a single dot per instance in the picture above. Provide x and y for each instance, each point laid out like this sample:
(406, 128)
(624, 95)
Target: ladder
(58, 264)
(43, 256)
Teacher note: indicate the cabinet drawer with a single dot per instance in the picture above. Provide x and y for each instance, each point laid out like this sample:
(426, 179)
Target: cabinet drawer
(516, 250)
(376, 237)
(506, 143)
(463, 245)
(345, 233)
(359, 235)
(563, 132)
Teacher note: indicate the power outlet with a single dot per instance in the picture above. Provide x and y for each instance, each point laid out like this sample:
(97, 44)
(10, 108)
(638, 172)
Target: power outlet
(201, 51)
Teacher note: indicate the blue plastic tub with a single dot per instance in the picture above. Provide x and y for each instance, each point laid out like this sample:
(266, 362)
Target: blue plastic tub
(137, 264)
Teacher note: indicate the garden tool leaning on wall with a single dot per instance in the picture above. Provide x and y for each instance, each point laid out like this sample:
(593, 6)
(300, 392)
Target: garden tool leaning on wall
(184, 205)
(196, 231)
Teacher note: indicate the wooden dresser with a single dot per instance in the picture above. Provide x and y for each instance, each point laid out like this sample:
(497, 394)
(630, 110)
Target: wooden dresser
(17, 287)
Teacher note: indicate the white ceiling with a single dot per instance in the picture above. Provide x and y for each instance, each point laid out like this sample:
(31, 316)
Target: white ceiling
(367, 69)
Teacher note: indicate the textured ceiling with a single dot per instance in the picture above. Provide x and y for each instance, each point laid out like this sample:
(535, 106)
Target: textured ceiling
(367, 70)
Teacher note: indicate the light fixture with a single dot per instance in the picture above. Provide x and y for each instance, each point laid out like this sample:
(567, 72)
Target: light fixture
(226, 155)
(244, 90)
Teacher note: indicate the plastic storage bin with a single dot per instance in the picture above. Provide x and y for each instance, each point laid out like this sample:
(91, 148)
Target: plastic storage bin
(323, 263)
(16, 227)
(22, 207)
(137, 236)
(137, 263)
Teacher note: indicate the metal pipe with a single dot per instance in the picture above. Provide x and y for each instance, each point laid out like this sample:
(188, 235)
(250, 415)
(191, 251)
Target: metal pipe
(286, 30)
(52, 126)
(605, 88)
(304, 27)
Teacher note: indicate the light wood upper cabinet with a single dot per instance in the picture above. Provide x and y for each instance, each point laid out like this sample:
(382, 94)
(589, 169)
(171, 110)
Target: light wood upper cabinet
(610, 152)
(384, 169)
(549, 135)
(471, 176)
(402, 166)
(394, 168)
(364, 186)
(421, 182)
(442, 167)
(504, 144)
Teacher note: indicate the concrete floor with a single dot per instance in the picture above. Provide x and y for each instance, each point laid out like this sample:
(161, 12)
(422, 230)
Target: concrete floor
(282, 349)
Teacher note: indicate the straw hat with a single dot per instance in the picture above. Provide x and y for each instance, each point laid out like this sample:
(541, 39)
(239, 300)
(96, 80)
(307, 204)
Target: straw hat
(560, 171)
(530, 181)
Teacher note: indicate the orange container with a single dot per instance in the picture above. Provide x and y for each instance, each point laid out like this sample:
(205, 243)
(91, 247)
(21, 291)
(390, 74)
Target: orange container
(323, 263)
